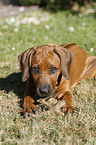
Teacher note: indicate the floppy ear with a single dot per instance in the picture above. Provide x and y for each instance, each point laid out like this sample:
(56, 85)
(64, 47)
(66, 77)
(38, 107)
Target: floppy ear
(66, 57)
(25, 63)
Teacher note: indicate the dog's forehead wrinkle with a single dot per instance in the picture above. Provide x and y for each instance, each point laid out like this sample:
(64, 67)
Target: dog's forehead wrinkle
(45, 56)
(44, 49)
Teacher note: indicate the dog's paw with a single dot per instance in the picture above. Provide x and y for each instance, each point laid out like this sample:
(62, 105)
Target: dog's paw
(27, 114)
(29, 108)
(68, 109)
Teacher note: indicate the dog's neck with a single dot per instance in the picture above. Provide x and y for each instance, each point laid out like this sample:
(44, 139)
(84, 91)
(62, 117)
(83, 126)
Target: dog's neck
(59, 79)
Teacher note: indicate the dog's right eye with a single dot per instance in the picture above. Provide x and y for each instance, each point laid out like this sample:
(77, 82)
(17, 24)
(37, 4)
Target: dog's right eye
(53, 69)
(36, 70)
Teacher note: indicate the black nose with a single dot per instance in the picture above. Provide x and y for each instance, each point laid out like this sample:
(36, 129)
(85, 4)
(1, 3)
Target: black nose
(44, 90)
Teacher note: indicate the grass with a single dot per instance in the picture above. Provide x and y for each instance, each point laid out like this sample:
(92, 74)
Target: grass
(37, 28)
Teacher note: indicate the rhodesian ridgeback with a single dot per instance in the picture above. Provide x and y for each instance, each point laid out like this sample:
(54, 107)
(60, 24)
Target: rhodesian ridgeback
(51, 70)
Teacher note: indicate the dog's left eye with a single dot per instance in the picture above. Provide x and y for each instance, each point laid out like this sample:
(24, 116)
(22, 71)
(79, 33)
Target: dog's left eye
(36, 70)
(53, 69)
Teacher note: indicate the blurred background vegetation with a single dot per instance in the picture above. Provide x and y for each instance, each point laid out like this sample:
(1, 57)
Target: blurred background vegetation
(50, 4)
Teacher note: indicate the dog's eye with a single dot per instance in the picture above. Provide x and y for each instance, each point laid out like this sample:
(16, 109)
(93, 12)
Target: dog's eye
(36, 69)
(53, 69)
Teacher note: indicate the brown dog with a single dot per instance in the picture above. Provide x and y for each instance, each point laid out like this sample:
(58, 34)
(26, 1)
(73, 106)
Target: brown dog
(51, 70)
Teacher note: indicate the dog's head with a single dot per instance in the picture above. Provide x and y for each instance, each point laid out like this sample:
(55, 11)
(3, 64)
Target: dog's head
(45, 65)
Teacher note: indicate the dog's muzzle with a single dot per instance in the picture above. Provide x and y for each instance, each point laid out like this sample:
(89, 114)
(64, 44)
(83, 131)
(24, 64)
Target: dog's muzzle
(44, 91)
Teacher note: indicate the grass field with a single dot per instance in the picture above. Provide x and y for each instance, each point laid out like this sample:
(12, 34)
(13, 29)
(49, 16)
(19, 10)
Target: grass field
(37, 28)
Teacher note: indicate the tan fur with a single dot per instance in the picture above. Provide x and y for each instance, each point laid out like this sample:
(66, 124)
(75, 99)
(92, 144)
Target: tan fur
(73, 64)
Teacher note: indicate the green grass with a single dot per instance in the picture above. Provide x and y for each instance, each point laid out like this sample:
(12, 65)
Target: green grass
(47, 128)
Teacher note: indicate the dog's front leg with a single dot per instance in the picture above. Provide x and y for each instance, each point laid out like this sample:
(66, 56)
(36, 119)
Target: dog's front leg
(29, 99)
(28, 105)
(63, 92)
(68, 98)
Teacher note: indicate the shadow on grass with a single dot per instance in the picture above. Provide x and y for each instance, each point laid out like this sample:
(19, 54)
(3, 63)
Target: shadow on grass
(13, 83)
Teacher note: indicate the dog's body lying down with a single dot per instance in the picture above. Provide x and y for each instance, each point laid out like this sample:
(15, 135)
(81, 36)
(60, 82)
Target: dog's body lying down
(51, 70)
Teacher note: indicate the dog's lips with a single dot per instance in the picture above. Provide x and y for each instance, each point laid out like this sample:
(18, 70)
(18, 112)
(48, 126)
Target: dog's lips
(44, 95)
